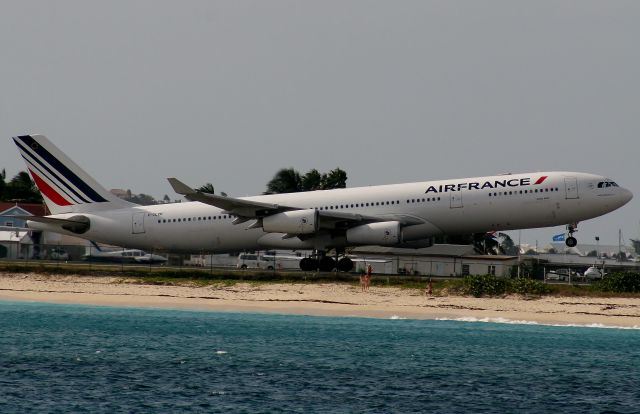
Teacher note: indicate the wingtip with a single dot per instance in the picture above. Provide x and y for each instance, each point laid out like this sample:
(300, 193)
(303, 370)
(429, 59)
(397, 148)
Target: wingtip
(180, 187)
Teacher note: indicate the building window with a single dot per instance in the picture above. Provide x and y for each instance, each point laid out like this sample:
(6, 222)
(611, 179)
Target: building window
(491, 270)
(465, 270)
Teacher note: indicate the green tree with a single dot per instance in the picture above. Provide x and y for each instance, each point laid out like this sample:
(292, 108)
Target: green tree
(22, 188)
(312, 180)
(336, 178)
(507, 246)
(207, 188)
(287, 180)
(143, 199)
(3, 185)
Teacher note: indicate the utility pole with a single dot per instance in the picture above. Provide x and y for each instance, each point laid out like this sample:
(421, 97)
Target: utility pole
(619, 245)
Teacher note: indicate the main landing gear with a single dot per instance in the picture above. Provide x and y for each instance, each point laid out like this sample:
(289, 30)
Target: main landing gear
(571, 241)
(319, 261)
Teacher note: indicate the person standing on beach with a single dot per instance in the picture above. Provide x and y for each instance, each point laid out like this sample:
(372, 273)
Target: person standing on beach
(429, 290)
(363, 280)
(368, 277)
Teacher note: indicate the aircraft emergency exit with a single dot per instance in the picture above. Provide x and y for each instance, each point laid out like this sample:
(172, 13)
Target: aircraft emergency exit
(388, 215)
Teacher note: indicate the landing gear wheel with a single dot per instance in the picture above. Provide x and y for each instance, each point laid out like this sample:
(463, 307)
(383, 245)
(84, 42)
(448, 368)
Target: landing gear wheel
(308, 264)
(571, 241)
(327, 264)
(345, 264)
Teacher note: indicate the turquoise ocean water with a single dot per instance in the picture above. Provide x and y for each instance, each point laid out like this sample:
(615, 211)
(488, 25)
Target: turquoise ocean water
(61, 358)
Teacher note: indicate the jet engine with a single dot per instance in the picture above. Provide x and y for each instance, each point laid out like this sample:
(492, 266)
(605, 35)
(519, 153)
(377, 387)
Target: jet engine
(292, 222)
(386, 233)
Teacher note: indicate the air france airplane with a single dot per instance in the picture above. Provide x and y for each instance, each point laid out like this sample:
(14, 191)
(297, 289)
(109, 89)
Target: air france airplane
(388, 215)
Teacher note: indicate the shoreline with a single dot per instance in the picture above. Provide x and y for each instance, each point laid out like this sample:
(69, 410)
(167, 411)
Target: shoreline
(321, 299)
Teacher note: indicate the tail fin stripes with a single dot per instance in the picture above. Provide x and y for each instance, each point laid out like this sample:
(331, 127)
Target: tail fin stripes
(65, 186)
(49, 192)
(40, 154)
(32, 165)
(35, 164)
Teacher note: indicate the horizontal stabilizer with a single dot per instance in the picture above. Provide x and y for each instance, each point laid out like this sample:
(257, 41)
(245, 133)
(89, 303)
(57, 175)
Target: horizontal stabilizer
(75, 224)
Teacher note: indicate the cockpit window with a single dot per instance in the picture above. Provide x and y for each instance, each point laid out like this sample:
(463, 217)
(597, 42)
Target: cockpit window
(608, 183)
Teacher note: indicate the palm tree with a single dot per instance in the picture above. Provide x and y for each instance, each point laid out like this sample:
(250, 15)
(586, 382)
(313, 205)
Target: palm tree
(312, 180)
(3, 185)
(336, 178)
(207, 188)
(287, 180)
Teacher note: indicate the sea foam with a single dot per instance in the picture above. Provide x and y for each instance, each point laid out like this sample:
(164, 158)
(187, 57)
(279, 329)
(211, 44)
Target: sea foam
(525, 322)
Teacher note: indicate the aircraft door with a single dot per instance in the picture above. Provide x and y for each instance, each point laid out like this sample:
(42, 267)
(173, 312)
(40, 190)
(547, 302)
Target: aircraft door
(456, 199)
(138, 223)
(571, 187)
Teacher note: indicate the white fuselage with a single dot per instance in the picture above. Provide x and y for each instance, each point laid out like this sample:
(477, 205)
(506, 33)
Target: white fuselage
(469, 205)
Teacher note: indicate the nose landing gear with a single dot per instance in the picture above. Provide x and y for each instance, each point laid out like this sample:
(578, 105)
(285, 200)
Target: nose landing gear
(571, 241)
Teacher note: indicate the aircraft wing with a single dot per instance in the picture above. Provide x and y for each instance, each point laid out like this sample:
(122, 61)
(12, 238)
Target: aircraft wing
(249, 210)
(236, 206)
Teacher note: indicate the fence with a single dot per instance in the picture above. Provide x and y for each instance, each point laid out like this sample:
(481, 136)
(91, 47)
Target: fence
(402, 266)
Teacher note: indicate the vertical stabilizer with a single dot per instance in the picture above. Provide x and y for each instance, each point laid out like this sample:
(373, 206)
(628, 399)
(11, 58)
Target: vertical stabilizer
(65, 187)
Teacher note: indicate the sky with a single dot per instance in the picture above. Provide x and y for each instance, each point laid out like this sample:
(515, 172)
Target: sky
(228, 92)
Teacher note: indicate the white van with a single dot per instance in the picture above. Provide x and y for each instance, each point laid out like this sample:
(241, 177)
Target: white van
(254, 261)
(268, 262)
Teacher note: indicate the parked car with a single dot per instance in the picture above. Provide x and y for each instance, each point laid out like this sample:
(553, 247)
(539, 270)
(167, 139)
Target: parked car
(58, 253)
(561, 274)
(594, 273)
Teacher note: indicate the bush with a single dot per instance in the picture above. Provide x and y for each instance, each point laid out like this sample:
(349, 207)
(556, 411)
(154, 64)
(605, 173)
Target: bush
(481, 285)
(525, 286)
(624, 282)
(488, 285)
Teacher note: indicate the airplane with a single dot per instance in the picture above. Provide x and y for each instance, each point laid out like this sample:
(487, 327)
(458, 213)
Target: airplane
(97, 254)
(388, 215)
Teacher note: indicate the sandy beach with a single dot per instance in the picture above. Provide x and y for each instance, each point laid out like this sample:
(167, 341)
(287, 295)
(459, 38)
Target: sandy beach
(330, 299)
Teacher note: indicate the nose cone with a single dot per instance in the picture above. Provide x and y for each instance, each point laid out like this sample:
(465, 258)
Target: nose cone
(625, 196)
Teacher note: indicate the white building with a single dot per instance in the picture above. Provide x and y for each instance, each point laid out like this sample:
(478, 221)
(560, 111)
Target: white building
(444, 260)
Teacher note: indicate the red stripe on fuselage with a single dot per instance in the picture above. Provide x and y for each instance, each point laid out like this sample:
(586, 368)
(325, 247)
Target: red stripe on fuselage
(541, 179)
(48, 191)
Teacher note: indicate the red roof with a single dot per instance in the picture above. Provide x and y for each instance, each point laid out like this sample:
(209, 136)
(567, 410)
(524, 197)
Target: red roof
(34, 208)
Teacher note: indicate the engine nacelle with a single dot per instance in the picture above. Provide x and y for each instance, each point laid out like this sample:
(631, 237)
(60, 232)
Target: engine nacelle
(386, 233)
(292, 222)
